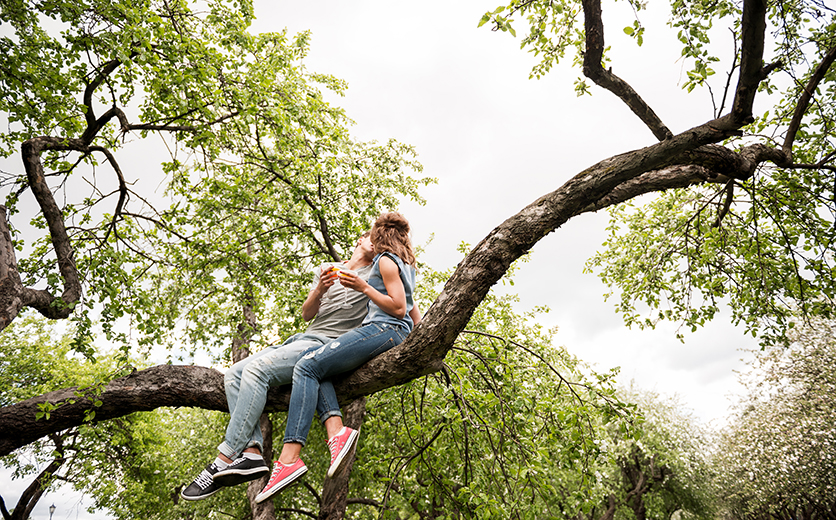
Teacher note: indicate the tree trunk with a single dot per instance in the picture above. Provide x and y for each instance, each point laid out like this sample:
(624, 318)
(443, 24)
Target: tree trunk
(335, 490)
(11, 287)
(264, 510)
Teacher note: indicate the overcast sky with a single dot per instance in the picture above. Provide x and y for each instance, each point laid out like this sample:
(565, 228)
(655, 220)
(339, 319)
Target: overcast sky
(496, 140)
(424, 74)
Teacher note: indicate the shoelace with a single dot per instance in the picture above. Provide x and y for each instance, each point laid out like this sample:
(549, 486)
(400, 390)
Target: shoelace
(334, 446)
(276, 469)
(204, 480)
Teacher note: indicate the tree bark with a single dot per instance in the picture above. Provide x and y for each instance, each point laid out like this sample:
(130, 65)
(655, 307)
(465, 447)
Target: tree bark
(335, 490)
(265, 510)
(11, 288)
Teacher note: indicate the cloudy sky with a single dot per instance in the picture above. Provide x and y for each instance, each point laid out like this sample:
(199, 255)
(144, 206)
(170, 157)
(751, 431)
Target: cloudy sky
(497, 140)
(424, 74)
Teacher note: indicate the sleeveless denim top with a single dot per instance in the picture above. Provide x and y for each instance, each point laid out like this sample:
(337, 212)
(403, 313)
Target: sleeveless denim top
(407, 273)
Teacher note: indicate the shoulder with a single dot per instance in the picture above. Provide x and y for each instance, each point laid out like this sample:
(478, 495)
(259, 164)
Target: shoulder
(386, 261)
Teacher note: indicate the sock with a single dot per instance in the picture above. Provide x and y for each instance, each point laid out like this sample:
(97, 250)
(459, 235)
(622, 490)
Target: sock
(220, 463)
(252, 456)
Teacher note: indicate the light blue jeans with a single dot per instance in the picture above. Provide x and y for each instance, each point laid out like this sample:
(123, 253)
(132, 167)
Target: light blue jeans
(312, 389)
(246, 384)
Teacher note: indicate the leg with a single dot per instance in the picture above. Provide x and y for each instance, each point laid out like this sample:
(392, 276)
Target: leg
(343, 354)
(246, 384)
(249, 384)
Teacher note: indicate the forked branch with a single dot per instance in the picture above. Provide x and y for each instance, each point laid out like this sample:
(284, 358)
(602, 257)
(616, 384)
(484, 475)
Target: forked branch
(592, 68)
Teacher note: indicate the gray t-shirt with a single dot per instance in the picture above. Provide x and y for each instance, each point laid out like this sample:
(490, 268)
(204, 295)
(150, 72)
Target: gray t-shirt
(333, 320)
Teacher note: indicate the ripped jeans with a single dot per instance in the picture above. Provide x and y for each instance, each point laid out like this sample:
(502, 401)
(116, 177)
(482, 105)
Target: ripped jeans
(246, 384)
(310, 393)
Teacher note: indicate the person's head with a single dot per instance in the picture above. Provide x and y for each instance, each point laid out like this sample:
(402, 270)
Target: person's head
(390, 234)
(364, 247)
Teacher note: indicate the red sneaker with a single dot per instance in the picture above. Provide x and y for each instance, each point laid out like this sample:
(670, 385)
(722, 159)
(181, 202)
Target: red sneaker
(282, 477)
(340, 446)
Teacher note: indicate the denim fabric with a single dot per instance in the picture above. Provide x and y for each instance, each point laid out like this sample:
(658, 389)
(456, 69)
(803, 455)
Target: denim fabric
(407, 274)
(246, 384)
(343, 354)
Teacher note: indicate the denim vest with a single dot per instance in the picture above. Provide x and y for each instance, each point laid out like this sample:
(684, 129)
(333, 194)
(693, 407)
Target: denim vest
(407, 273)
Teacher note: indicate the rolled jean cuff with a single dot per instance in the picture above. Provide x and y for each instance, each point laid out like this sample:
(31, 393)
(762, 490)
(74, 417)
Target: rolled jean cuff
(226, 450)
(328, 415)
(294, 439)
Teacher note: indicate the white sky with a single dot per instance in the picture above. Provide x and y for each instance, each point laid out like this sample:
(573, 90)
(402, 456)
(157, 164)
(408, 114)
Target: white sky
(496, 140)
(424, 74)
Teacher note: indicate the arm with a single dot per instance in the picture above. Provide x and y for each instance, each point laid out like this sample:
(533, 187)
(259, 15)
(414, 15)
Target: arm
(311, 306)
(393, 303)
(415, 314)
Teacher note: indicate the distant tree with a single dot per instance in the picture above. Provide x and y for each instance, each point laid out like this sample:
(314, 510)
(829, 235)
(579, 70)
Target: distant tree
(777, 458)
(661, 467)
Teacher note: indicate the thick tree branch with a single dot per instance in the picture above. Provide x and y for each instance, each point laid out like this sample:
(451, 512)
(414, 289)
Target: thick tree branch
(592, 68)
(164, 385)
(804, 101)
(751, 60)
(42, 300)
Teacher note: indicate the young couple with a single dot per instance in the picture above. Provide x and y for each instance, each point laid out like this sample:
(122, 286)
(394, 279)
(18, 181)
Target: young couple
(379, 302)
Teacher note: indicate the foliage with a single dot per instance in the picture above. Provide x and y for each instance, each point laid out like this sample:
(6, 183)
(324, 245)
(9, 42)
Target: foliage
(515, 427)
(764, 260)
(663, 467)
(263, 180)
(35, 358)
(777, 458)
(763, 245)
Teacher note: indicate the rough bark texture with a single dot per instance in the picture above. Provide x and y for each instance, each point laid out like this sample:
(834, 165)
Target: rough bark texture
(11, 288)
(142, 390)
(335, 490)
(264, 510)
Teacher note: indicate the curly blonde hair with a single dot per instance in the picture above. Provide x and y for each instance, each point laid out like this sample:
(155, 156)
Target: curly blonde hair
(390, 234)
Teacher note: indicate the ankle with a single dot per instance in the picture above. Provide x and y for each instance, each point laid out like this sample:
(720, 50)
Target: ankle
(224, 458)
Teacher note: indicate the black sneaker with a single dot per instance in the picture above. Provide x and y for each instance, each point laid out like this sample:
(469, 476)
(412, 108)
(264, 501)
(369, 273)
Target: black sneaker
(241, 470)
(203, 486)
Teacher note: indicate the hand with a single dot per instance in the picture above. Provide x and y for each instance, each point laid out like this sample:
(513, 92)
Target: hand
(327, 278)
(350, 280)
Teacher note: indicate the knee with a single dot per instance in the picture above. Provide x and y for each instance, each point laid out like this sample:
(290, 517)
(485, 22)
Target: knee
(304, 368)
(231, 378)
(253, 373)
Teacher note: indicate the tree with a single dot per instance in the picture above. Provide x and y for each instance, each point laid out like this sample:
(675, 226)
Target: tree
(777, 458)
(35, 357)
(728, 150)
(662, 466)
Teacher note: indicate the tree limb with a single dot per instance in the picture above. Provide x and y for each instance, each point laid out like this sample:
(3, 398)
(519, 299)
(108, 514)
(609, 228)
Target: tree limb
(592, 68)
(42, 300)
(804, 101)
(753, 28)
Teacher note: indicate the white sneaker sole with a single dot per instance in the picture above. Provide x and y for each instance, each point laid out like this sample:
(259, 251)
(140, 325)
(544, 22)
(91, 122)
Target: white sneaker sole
(349, 445)
(267, 493)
